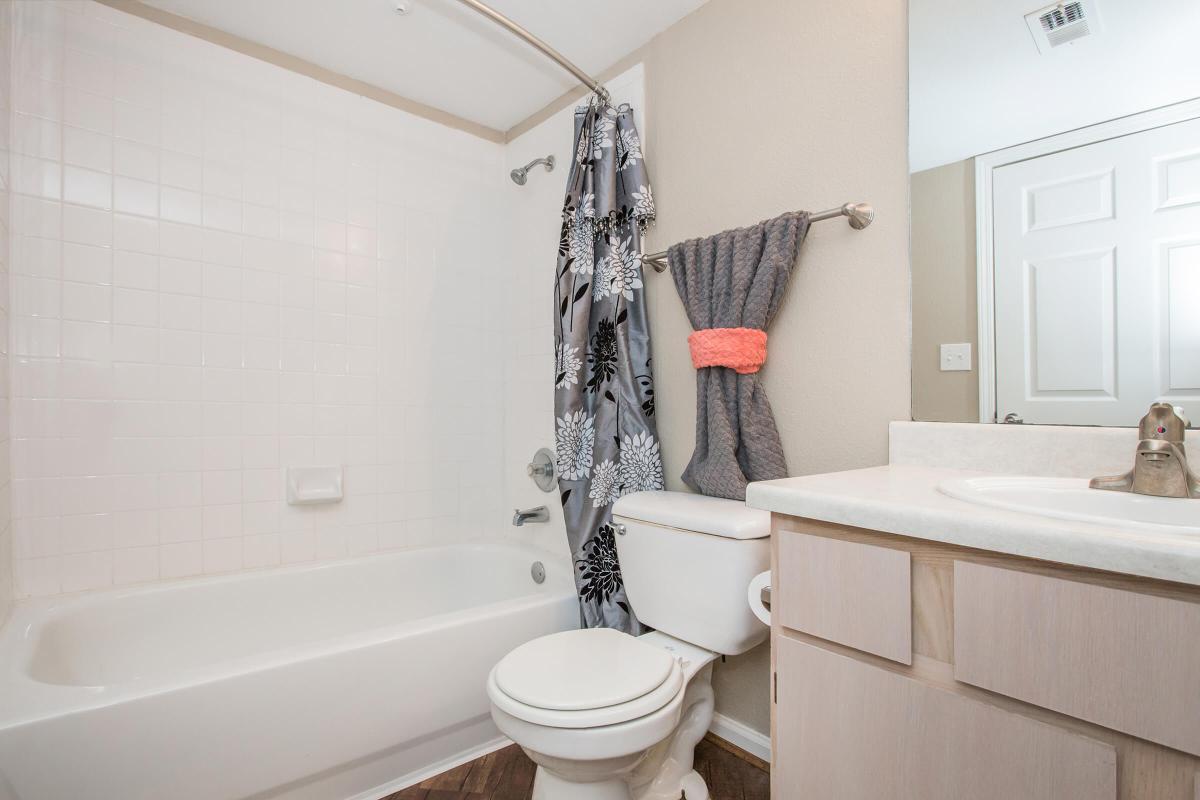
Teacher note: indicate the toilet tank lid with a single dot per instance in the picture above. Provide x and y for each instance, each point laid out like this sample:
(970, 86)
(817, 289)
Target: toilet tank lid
(717, 516)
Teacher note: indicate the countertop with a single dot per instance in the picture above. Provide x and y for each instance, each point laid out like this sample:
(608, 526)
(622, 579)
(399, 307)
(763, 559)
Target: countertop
(904, 499)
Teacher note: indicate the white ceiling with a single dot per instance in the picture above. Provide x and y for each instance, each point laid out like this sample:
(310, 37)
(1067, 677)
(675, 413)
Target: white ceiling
(977, 82)
(441, 53)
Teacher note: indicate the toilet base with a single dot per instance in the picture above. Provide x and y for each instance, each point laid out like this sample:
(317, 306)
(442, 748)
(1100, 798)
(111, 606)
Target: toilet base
(693, 787)
(548, 786)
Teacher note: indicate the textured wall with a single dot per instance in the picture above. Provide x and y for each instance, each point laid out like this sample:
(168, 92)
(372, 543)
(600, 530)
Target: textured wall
(222, 269)
(754, 107)
(943, 291)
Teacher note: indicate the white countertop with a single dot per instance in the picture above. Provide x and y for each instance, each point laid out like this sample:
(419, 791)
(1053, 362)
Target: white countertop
(904, 499)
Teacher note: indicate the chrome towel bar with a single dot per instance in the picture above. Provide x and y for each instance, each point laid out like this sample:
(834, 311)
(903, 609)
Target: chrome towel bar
(860, 216)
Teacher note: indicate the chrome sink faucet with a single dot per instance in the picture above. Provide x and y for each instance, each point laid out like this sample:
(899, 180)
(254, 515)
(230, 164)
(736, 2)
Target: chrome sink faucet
(539, 514)
(1160, 467)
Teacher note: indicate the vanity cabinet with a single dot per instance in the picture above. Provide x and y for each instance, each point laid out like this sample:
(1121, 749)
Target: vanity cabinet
(909, 669)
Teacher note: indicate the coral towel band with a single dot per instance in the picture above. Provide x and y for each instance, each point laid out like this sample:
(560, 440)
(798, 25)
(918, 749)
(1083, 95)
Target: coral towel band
(743, 350)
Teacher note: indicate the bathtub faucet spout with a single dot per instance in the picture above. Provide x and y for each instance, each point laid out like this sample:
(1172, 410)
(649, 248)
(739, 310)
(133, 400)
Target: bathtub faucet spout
(539, 514)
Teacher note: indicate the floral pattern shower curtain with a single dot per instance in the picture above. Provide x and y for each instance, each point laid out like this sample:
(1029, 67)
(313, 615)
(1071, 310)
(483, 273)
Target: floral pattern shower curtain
(605, 437)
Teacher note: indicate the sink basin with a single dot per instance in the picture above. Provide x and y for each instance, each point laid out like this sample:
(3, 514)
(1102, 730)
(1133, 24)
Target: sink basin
(1070, 498)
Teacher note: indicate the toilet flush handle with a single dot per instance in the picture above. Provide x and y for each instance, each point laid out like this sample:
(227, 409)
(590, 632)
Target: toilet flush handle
(758, 594)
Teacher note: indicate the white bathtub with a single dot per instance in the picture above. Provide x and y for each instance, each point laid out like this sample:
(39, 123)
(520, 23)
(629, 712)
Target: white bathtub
(327, 682)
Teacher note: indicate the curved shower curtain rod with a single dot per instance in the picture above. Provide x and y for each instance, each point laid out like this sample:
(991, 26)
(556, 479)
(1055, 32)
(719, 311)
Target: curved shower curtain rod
(504, 22)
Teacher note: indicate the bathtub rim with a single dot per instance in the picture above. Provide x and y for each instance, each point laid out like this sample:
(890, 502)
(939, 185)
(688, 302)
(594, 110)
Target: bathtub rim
(34, 701)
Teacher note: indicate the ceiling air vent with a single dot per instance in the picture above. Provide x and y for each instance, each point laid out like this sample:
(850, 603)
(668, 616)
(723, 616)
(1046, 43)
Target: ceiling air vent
(1062, 24)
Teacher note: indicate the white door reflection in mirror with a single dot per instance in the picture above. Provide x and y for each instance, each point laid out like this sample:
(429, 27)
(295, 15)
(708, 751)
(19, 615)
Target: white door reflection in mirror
(1097, 279)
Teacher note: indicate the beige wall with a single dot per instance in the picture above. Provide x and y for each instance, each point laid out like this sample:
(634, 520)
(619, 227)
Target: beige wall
(755, 107)
(943, 291)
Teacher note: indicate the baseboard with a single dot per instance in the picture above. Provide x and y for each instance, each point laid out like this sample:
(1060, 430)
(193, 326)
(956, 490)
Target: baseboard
(741, 735)
(732, 731)
(413, 778)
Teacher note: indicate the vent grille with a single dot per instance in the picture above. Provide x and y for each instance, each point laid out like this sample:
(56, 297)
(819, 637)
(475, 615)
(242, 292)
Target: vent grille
(1062, 23)
(1065, 24)
(1063, 15)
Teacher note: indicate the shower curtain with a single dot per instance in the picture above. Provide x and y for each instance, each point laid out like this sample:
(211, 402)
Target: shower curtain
(605, 438)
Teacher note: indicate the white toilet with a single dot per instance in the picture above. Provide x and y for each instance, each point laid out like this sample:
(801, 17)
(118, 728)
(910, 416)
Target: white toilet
(609, 716)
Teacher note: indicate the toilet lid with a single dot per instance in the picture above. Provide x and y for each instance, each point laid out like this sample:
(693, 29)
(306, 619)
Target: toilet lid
(582, 670)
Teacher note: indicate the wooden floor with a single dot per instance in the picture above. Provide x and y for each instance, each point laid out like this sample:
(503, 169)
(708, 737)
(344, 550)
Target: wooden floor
(508, 775)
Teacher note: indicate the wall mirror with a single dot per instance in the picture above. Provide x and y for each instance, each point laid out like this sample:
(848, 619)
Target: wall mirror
(1054, 153)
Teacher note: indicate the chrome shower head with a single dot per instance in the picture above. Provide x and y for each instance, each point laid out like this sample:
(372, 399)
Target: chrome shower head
(521, 174)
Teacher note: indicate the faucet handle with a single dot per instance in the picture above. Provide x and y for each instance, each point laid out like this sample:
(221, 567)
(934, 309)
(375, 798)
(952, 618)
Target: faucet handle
(1164, 423)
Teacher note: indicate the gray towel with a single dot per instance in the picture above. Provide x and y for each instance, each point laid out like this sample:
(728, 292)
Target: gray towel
(735, 279)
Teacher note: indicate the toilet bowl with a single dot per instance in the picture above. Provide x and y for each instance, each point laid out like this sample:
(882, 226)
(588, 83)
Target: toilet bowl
(609, 716)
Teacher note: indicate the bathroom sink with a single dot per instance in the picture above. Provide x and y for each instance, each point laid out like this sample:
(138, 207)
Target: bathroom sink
(1070, 498)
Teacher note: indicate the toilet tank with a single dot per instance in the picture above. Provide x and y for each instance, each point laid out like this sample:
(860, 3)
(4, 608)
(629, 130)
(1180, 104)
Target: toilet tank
(687, 561)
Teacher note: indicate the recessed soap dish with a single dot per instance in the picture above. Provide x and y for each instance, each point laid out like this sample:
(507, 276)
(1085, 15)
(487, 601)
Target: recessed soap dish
(313, 485)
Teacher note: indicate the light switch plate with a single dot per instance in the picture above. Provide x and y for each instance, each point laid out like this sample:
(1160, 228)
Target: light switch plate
(956, 357)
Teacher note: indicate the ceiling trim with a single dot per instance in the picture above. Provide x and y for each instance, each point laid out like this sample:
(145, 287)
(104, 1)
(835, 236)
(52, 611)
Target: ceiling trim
(302, 67)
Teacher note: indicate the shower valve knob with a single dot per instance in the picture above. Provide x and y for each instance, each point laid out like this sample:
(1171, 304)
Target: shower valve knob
(541, 469)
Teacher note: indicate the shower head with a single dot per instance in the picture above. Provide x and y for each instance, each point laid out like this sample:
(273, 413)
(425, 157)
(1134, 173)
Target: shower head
(521, 174)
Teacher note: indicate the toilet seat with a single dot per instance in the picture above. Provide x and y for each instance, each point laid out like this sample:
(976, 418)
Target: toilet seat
(585, 679)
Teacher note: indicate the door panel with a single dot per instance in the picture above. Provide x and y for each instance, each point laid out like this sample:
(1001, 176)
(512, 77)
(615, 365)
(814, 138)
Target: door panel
(1081, 198)
(1178, 180)
(1070, 346)
(1097, 252)
(1181, 342)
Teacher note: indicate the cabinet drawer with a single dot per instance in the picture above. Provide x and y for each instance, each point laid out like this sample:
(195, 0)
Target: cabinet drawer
(852, 731)
(854, 594)
(1127, 661)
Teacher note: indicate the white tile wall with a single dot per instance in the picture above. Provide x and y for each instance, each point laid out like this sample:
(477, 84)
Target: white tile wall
(220, 269)
(6, 62)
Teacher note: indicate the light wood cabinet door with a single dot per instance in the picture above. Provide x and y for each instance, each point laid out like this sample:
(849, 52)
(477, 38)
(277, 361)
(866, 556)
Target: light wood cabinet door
(854, 594)
(1124, 660)
(848, 730)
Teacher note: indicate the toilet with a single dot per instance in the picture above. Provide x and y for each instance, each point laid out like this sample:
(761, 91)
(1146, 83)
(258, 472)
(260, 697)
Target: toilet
(609, 716)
